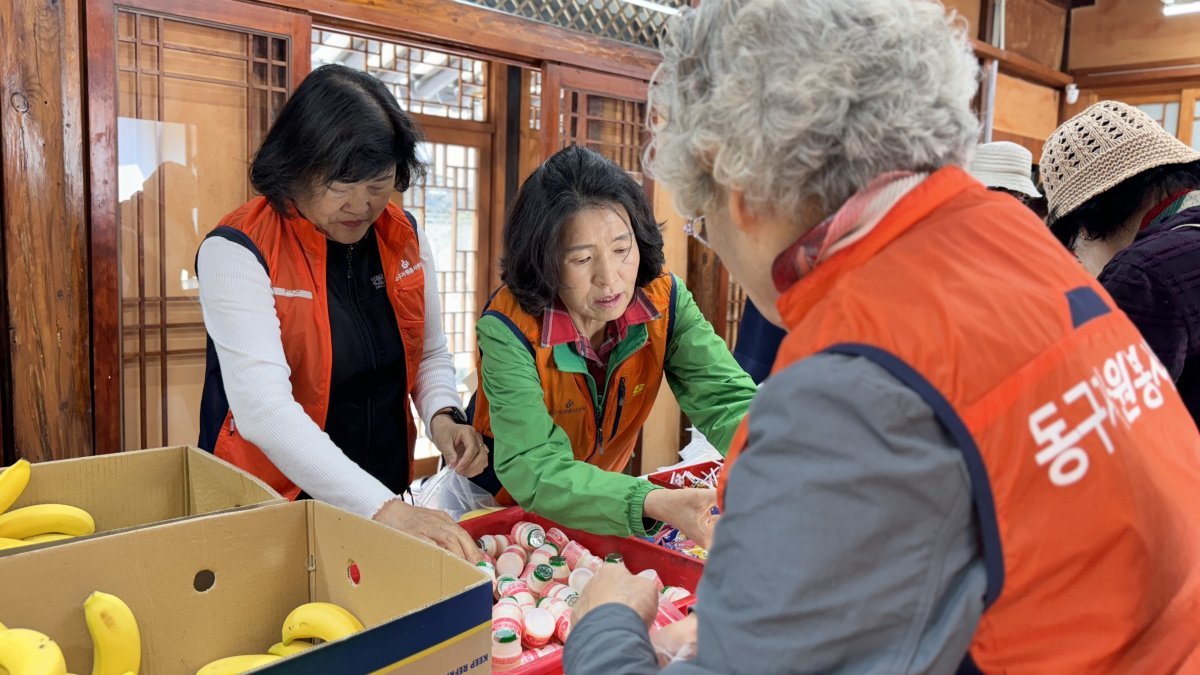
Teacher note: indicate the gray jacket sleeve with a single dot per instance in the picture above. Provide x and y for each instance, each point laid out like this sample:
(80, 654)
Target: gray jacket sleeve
(848, 542)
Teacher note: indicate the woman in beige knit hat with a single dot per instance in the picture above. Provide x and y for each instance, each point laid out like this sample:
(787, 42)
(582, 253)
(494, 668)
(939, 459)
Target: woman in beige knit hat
(1124, 196)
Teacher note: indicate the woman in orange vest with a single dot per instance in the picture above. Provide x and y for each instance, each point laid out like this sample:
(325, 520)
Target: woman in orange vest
(573, 349)
(966, 458)
(322, 314)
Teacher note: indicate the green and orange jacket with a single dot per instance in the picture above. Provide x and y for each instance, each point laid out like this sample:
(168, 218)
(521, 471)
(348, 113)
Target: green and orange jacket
(543, 409)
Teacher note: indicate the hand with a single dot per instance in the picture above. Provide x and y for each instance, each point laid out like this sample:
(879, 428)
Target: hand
(676, 641)
(430, 525)
(689, 509)
(460, 444)
(614, 583)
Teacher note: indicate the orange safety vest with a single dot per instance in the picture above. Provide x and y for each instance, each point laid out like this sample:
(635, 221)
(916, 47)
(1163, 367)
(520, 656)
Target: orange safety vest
(1082, 457)
(604, 437)
(293, 252)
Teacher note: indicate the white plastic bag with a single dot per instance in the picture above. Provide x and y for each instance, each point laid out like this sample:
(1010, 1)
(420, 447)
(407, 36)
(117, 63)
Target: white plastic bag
(447, 491)
(673, 635)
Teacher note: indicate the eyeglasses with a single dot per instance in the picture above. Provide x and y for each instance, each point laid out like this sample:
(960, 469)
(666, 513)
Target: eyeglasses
(695, 228)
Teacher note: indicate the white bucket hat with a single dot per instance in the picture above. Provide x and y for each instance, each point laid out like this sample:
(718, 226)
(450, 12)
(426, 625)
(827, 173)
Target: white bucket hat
(1004, 165)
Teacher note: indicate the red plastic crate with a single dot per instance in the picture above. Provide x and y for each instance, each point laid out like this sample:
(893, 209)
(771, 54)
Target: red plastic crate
(675, 569)
(663, 478)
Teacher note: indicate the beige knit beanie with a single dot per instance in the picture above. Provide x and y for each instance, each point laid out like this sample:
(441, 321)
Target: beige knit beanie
(1099, 148)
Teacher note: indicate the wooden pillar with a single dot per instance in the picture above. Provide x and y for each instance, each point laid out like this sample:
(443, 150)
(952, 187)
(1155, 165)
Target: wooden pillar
(45, 231)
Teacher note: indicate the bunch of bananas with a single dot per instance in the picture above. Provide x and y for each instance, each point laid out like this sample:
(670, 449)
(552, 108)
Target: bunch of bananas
(38, 523)
(116, 643)
(323, 621)
(28, 652)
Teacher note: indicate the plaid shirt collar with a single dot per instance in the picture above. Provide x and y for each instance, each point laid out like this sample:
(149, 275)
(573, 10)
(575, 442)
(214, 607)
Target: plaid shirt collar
(557, 327)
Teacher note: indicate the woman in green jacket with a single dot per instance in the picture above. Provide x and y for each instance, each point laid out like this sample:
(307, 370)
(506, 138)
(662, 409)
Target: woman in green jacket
(573, 349)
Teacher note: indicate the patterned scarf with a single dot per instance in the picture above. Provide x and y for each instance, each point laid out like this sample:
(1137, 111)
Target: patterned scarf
(853, 221)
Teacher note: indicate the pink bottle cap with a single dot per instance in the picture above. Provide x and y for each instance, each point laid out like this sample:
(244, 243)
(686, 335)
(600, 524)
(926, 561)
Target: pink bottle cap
(510, 564)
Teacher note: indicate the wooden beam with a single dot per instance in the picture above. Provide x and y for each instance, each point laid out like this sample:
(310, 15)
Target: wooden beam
(1021, 66)
(1173, 71)
(485, 31)
(46, 237)
(105, 235)
(551, 104)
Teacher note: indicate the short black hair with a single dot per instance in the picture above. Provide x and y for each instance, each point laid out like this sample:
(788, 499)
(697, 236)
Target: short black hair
(342, 125)
(1104, 215)
(574, 179)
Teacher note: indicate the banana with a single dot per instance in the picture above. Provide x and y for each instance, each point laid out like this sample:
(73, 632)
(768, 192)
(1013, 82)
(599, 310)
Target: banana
(237, 664)
(116, 642)
(12, 543)
(297, 646)
(323, 620)
(42, 518)
(49, 536)
(12, 483)
(28, 652)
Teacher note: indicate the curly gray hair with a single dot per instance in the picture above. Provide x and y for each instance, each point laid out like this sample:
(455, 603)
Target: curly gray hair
(788, 100)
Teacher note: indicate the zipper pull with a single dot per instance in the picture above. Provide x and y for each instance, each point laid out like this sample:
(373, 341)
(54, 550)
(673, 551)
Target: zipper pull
(620, 407)
(350, 261)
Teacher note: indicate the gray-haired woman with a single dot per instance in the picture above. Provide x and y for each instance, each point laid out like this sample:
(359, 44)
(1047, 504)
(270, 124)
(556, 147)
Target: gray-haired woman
(935, 475)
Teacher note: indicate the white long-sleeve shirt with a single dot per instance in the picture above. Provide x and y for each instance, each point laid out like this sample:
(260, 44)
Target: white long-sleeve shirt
(239, 314)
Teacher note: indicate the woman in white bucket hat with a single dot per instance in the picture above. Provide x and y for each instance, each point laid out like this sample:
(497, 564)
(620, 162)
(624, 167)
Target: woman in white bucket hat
(1006, 167)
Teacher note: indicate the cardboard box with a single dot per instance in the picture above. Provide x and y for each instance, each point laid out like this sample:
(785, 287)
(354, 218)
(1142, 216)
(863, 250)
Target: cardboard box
(674, 569)
(221, 585)
(133, 489)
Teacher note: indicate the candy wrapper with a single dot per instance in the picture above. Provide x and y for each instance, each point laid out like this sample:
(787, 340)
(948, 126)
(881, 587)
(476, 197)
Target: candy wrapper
(671, 538)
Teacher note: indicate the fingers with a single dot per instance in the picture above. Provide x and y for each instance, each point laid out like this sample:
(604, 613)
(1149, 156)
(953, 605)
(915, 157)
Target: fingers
(472, 456)
(460, 543)
(646, 595)
(451, 537)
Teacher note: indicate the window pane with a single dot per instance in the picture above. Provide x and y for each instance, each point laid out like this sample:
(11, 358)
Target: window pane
(1154, 110)
(424, 80)
(1171, 120)
(445, 207)
(185, 133)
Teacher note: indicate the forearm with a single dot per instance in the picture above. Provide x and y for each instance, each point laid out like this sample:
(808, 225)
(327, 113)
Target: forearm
(546, 479)
(712, 389)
